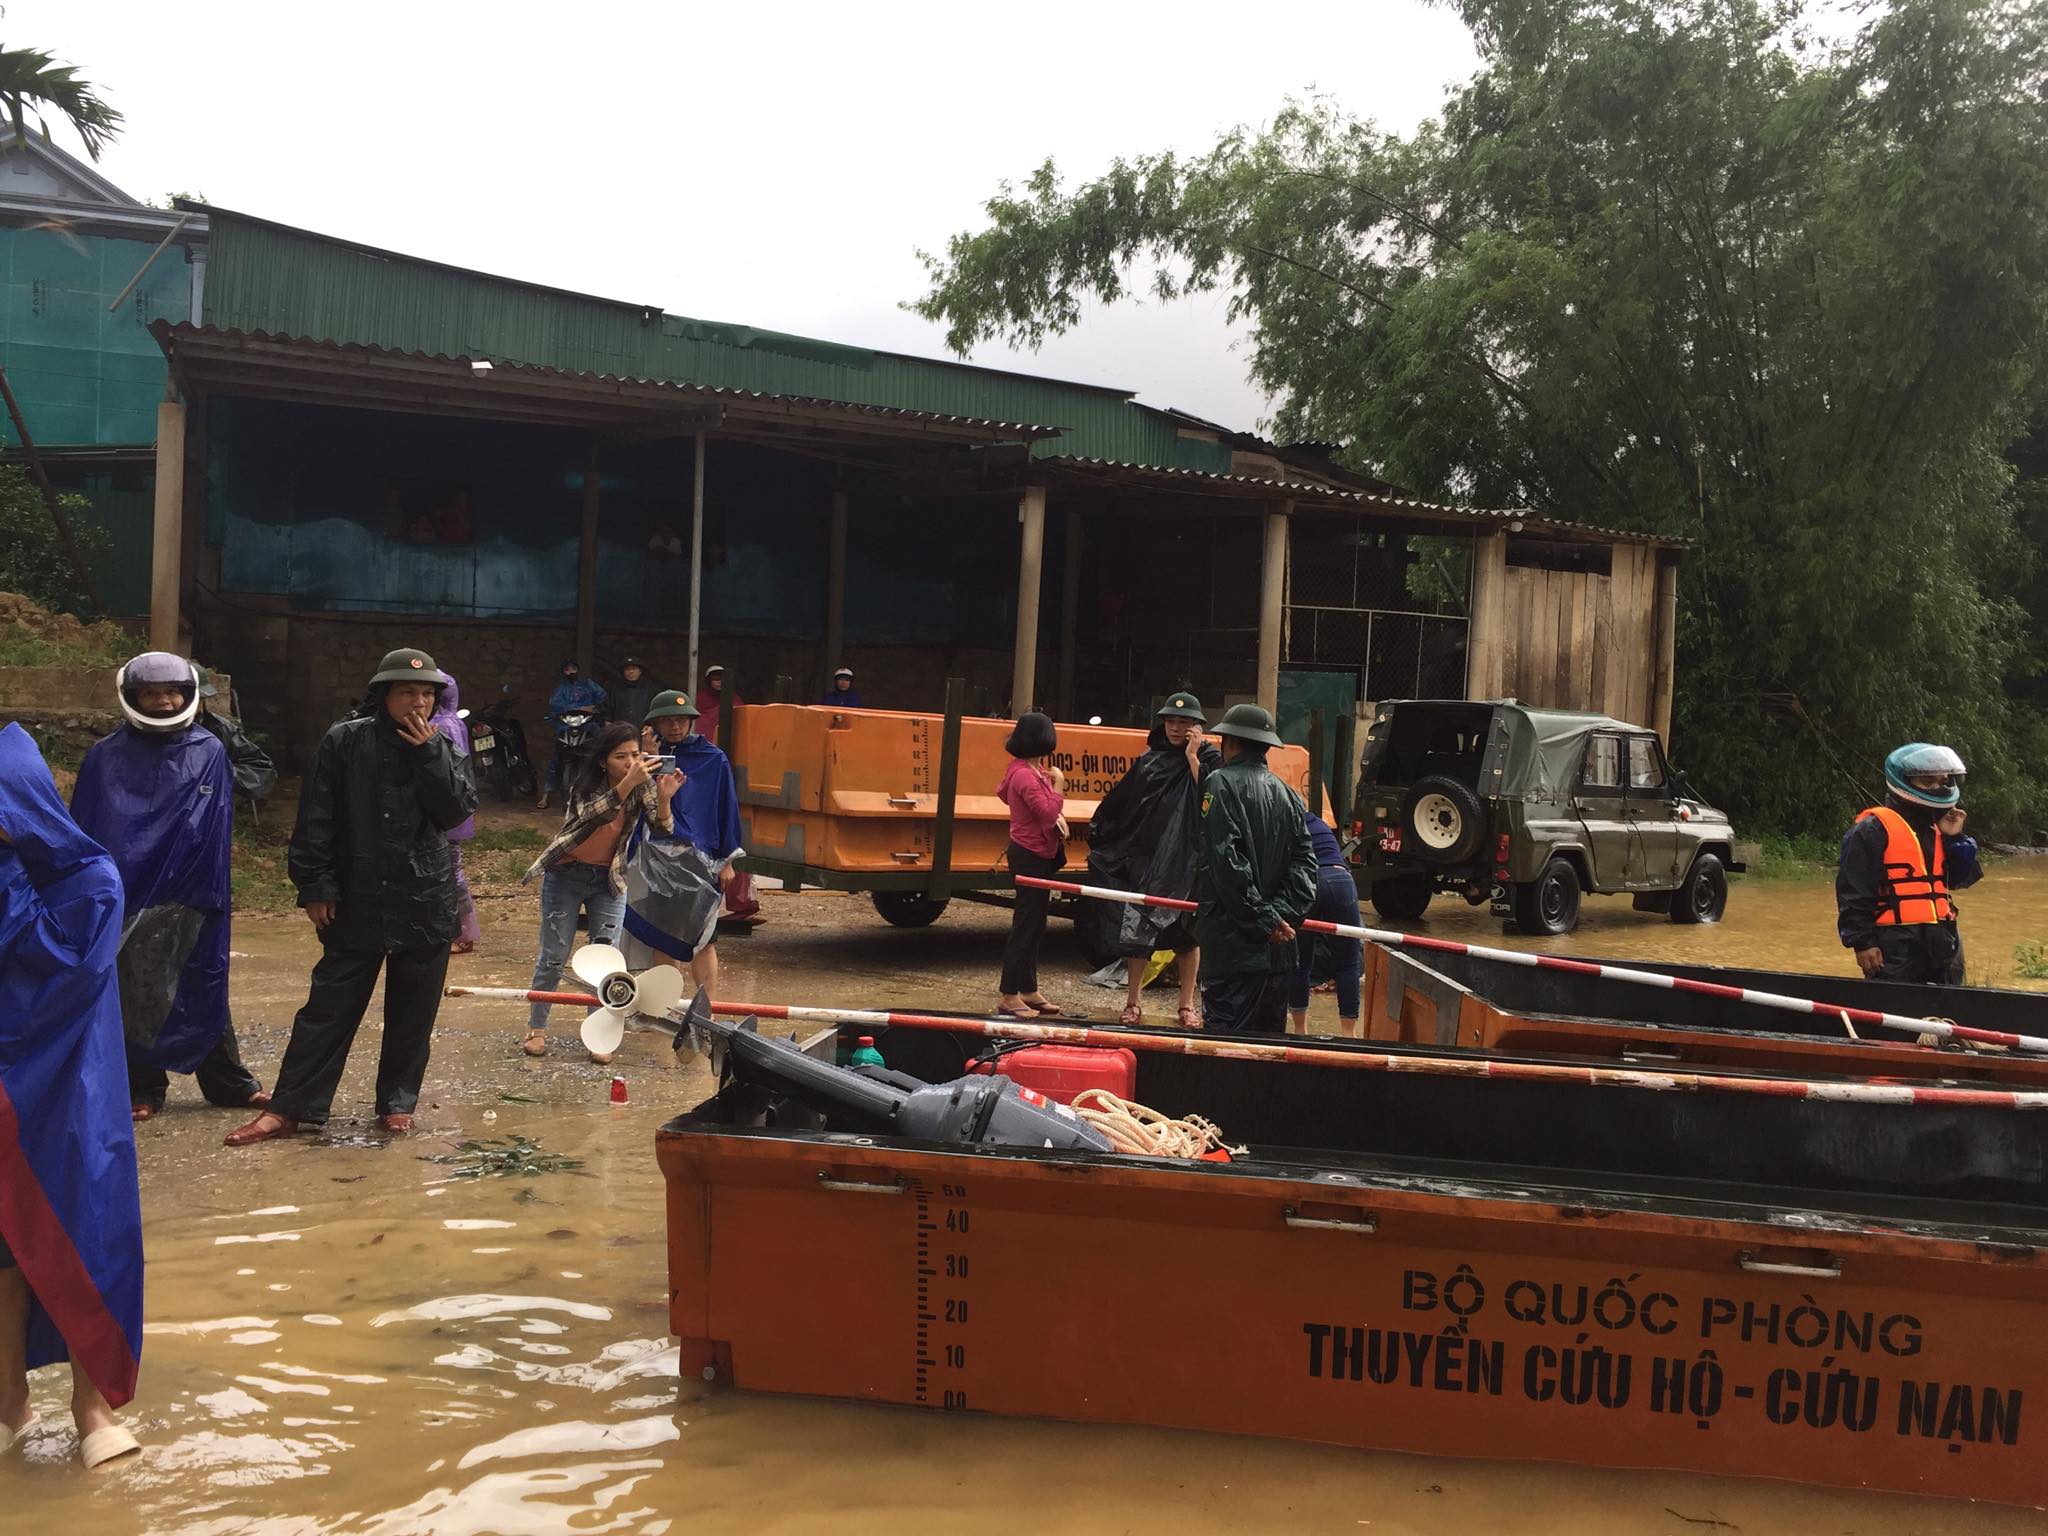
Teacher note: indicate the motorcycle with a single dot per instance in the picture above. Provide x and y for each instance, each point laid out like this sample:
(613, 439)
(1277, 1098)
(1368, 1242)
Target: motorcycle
(575, 730)
(497, 747)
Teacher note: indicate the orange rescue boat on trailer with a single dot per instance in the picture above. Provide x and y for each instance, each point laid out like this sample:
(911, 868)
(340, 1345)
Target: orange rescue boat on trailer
(902, 806)
(1417, 1259)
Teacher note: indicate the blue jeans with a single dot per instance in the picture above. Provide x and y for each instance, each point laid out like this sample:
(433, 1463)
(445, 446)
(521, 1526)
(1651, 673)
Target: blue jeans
(566, 889)
(1336, 902)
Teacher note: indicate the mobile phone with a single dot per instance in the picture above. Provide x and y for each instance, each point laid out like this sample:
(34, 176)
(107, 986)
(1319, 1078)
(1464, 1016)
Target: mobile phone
(667, 763)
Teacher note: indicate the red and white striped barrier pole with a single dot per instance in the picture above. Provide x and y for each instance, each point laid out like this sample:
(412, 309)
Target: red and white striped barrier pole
(1940, 1028)
(1184, 1043)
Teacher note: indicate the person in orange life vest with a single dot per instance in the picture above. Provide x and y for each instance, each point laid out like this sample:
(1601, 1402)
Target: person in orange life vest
(1901, 864)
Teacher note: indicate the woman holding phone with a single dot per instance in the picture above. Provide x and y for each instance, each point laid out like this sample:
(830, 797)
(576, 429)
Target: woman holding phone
(583, 869)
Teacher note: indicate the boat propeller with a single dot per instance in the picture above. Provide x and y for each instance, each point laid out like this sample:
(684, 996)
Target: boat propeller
(621, 993)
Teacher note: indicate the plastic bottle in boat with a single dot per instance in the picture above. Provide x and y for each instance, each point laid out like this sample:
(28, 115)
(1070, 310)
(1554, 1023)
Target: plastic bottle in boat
(865, 1054)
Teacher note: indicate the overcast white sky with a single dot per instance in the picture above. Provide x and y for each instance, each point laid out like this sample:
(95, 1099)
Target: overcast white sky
(775, 165)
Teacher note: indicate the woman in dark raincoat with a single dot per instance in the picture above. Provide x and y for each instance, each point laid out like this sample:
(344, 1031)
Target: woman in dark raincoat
(1145, 836)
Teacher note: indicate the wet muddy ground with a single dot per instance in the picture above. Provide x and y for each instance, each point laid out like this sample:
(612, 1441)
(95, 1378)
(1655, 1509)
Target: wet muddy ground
(344, 1336)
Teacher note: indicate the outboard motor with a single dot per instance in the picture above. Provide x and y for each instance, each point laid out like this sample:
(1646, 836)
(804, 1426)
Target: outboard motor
(992, 1111)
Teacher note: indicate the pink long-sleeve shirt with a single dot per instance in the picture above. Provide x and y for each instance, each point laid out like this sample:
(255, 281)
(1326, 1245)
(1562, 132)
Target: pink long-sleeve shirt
(1035, 807)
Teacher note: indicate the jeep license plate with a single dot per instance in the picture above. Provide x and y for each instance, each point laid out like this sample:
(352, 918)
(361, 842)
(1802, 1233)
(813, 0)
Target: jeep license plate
(1390, 843)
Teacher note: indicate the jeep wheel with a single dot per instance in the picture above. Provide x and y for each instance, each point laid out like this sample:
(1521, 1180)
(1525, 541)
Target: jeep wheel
(1401, 899)
(1549, 904)
(908, 909)
(1441, 821)
(1703, 895)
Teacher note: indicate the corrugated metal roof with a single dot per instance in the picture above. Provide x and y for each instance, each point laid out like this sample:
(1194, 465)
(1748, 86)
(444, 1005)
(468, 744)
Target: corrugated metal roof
(268, 278)
(216, 351)
(1304, 493)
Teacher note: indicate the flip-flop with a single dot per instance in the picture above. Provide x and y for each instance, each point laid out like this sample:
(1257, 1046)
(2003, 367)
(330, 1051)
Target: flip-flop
(104, 1445)
(10, 1438)
(1046, 1010)
(1021, 1011)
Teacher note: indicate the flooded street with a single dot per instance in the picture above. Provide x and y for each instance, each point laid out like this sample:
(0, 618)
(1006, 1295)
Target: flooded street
(344, 1336)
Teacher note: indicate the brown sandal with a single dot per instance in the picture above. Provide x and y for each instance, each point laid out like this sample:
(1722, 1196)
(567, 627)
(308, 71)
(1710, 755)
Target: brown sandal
(1190, 1018)
(1044, 1009)
(1132, 1015)
(536, 1042)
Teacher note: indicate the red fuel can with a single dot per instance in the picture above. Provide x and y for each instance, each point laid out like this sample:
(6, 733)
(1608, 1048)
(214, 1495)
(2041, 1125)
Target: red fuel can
(1061, 1071)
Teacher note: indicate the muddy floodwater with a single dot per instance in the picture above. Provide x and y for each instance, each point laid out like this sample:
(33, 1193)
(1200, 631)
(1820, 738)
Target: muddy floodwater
(343, 1337)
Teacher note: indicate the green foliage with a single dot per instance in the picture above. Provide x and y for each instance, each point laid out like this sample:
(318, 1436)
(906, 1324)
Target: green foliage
(2030, 959)
(258, 876)
(32, 561)
(32, 81)
(1668, 265)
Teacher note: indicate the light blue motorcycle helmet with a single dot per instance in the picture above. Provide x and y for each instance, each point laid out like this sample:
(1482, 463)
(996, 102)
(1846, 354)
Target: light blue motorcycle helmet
(1921, 757)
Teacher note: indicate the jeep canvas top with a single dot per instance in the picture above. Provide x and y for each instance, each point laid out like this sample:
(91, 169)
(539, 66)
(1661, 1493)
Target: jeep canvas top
(1527, 809)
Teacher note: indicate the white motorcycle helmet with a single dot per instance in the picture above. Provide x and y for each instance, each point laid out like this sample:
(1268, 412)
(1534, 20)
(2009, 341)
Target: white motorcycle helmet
(158, 668)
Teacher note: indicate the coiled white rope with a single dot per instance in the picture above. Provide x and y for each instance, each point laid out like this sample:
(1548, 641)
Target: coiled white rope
(1146, 1132)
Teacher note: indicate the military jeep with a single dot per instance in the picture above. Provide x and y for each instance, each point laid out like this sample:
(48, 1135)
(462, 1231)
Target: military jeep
(1528, 809)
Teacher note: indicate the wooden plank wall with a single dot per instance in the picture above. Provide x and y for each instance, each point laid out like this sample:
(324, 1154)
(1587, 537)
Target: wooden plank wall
(1571, 640)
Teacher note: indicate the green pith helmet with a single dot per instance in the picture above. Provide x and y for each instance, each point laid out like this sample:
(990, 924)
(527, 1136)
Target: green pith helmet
(1183, 706)
(409, 666)
(1248, 722)
(670, 703)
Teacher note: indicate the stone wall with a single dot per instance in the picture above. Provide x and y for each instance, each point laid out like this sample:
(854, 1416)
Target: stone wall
(300, 672)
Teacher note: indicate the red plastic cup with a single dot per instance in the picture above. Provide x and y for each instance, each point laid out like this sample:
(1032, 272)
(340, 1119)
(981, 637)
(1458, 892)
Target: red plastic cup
(618, 1090)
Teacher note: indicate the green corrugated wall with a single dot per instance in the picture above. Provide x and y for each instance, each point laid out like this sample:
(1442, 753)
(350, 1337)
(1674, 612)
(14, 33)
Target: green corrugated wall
(261, 277)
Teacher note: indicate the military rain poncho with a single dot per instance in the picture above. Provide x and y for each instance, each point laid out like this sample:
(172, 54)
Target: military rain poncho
(1146, 835)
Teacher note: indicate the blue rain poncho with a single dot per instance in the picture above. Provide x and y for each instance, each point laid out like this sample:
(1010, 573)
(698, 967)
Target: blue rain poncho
(163, 806)
(69, 1207)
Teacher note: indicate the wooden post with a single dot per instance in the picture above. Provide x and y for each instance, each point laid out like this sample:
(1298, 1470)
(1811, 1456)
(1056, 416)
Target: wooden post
(167, 533)
(1663, 679)
(1030, 571)
(1315, 762)
(1272, 605)
(1347, 765)
(941, 887)
(697, 556)
(1070, 604)
(586, 567)
(835, 593)
(1483, 650)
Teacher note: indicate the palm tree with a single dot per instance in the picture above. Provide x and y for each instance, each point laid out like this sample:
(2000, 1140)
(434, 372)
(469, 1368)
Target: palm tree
(33, 80)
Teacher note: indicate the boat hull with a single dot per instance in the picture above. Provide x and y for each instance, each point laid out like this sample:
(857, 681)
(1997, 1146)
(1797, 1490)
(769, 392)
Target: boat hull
(1461, 1314)
(1431, 998)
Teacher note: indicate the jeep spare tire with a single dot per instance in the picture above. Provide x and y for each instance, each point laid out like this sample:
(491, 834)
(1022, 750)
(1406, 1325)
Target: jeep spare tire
(1442, 821)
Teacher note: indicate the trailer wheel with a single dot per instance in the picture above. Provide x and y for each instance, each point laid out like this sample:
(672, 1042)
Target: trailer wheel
(1703, 895)
(1401, 899)
(908, 909)
(1549, 904)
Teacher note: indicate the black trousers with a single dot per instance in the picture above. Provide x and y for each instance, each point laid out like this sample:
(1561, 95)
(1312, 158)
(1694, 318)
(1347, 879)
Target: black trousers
(221, 1076)
(1027, 920)
(1924, 952)
(1252, 1004)
(326, 1027)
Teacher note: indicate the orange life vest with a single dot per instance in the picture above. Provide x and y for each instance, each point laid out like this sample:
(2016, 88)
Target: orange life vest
(1910, 892)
